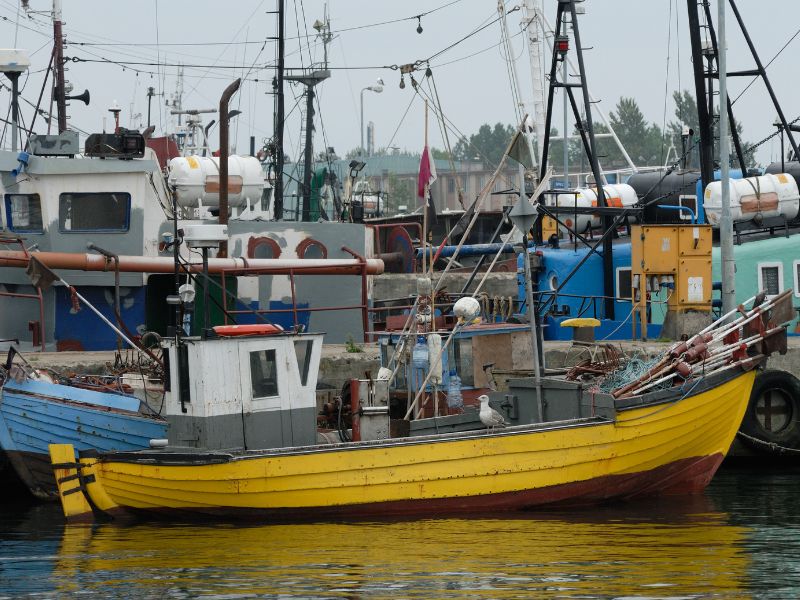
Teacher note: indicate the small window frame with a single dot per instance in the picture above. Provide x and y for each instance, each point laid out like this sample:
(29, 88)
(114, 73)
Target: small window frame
(303, 367)
(271, 355)
(682, 214)
(768, 265)
(9, 221)
(796, 272)
(619, 296)
(124, 229)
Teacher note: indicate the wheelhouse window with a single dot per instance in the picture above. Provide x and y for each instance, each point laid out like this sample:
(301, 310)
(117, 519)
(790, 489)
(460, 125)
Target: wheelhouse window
(770, 278)
(263, 373)
(624, 290)
(104, 211)
(24, 213)
(462, 361)
(302, 350)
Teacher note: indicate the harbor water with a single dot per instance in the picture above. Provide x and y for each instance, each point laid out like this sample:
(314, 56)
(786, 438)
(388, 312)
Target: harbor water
(740, 539)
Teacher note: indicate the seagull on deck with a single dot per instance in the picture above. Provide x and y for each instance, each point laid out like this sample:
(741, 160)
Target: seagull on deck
(489, 416)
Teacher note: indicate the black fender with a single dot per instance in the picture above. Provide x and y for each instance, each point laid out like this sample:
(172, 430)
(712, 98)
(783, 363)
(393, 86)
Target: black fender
(772, 417)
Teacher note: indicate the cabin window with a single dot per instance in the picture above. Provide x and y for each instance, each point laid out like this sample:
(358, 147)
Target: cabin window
(104, 211)
(451, 185)
(310, 249)
(24, 213)
(624, 283)
(770, 278)
(302, 350)
(388, 349)
(797, 278)
(462, 355)
(263, 373)
(688, 202)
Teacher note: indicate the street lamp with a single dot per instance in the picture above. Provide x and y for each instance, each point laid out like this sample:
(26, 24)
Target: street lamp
(377, 88)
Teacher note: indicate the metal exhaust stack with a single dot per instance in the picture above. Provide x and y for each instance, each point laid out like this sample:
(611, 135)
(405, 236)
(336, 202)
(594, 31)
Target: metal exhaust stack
(224, 122)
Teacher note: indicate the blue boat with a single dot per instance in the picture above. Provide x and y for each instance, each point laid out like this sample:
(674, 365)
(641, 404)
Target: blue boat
(36, 413)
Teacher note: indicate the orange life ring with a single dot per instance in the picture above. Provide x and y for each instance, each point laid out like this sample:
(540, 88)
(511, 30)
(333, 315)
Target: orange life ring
(256, 329)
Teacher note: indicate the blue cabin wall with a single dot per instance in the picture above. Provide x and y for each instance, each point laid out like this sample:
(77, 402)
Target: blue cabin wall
(574, 298)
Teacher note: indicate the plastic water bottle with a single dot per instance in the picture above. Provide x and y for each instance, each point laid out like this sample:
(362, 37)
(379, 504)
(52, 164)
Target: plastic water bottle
(454, 398)
(419, 356)
(419, 362)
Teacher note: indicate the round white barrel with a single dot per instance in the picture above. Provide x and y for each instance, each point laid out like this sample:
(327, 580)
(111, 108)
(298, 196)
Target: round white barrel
(617, 195)
(196, 180)
(754, 198)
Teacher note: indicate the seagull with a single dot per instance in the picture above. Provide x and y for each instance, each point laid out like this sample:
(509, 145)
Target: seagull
(489, 416)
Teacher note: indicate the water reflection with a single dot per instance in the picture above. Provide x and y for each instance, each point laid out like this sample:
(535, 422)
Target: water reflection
(740, 540)
(660, 550)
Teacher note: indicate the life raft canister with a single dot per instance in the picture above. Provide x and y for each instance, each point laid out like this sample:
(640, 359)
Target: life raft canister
(254, 329)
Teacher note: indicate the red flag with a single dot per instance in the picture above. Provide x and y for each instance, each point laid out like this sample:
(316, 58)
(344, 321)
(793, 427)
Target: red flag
(427, 173)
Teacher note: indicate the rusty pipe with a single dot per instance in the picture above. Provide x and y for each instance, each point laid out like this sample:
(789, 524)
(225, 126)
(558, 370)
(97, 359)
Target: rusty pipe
(165, 264)
(224, 124)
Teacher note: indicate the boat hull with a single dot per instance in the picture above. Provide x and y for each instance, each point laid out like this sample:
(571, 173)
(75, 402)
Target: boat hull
(669, 447)
(30, 421)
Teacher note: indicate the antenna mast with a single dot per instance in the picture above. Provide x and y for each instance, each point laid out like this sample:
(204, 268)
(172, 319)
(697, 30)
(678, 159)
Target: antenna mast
(58, 63)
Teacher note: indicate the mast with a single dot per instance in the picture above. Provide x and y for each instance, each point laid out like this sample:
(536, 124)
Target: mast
(560, 51)
(703, 118)
(311, 78)
(58, 63)
(279, 116)
(533, 25)
(726, 223)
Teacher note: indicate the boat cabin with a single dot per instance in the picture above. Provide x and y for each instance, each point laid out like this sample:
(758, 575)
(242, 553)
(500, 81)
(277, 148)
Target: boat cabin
(249, 392)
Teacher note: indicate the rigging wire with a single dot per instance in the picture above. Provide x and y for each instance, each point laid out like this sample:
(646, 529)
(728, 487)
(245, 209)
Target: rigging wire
(448, 148)
(666, 85)
(508, 60)
(450, 62)
(454, 129)
(753, 80)
(402, 119)
(469, 35)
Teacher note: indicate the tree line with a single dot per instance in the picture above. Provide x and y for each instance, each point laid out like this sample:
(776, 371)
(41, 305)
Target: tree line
(646, 143)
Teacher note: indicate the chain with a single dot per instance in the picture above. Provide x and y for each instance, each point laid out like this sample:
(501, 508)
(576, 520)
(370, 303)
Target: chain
(754, 147)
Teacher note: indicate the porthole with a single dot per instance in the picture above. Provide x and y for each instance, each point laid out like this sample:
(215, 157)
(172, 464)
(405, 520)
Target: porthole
(263, 247)
(311, 249)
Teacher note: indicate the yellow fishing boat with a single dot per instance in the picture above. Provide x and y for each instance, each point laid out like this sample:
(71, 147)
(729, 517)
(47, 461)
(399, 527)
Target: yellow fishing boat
(546, 441)
(670, 443)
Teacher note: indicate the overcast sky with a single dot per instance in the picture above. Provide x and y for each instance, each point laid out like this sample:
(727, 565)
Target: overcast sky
(630, 41)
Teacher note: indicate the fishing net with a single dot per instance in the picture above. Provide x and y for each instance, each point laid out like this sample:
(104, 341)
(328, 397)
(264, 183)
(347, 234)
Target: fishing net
(634, 369)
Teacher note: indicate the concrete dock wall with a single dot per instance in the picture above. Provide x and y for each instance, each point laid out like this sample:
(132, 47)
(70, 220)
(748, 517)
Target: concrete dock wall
(338, 365)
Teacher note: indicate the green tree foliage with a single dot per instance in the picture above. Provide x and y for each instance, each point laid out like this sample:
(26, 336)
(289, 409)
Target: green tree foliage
(487, 145)
(686, 115)
(643, 141)
(401, 192)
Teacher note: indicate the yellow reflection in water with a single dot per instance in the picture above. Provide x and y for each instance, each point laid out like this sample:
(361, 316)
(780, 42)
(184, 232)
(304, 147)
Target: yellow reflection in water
(604, 553)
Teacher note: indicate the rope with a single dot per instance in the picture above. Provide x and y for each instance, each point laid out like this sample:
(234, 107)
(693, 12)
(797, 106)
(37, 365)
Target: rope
(771, 446)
